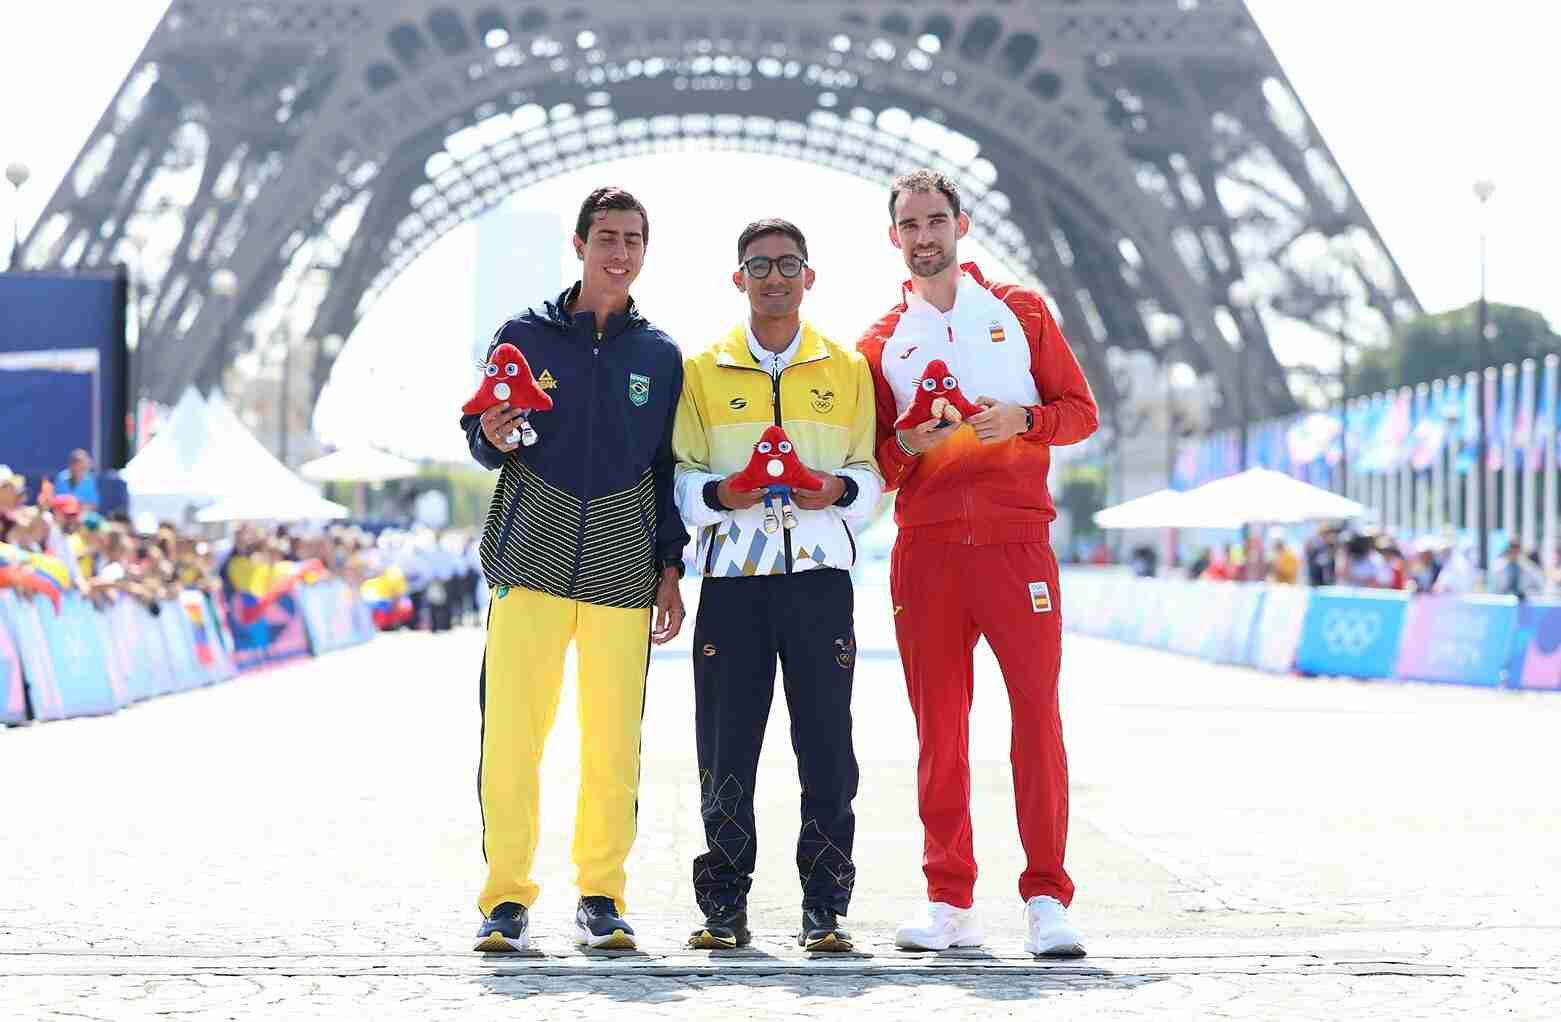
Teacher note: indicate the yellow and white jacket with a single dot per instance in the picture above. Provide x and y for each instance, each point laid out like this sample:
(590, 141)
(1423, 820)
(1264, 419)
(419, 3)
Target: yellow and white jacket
(823, 399)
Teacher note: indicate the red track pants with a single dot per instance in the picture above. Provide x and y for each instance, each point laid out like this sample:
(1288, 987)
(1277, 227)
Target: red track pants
(946, 595)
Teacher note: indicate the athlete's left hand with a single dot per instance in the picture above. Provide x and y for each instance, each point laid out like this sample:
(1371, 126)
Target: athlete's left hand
(816, 500)
(998, 420)
(669, 609)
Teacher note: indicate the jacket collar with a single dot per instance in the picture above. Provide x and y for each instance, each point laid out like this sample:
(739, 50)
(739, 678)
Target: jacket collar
(732, 350)
(556, 313)
(972, 276)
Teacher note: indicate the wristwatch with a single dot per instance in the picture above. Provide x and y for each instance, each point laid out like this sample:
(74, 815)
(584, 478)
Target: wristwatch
(1029, 419)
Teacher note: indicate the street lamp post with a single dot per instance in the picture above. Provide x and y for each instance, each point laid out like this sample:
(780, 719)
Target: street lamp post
(287, 367)
(1342, 252)
(1240, 300)
(17, 173)
(1483, 190)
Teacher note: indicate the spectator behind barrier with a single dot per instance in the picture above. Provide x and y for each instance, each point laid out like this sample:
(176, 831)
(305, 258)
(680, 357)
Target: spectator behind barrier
(1284, 567)
(1517, 574)
(76, 480)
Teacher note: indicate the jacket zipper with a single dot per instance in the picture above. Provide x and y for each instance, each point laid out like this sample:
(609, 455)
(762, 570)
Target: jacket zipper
(585, 490)
(964, 491)
(514, 506)
(775, 378)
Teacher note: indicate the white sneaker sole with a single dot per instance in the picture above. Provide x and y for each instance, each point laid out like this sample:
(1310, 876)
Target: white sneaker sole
(617, 940)
(909, 943)
(497, 943)
(1060, 949)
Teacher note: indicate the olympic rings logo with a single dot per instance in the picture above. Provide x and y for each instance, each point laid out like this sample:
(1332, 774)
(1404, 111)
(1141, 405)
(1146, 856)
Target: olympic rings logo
(1350, 631)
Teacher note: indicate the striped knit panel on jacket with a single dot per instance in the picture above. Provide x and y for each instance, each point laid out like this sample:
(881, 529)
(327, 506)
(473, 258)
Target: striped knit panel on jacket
(618, 557)
(539, 549)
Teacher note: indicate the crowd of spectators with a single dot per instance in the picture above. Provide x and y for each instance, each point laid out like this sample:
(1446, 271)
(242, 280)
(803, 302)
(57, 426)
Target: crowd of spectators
(57, 533)
(1335, 555)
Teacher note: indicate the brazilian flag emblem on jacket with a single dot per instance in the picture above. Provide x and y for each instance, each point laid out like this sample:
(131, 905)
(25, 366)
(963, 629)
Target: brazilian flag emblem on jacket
(639, 389)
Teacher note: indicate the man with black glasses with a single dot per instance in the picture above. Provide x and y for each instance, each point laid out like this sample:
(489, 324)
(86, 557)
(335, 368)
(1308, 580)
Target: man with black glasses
(784, 594)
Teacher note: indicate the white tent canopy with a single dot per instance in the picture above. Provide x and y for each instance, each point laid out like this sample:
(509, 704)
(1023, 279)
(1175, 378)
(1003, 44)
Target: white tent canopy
(363, 464)
(167, 465)
(203, 455)
(287, 506)
(1263, 496)
(1162, 509)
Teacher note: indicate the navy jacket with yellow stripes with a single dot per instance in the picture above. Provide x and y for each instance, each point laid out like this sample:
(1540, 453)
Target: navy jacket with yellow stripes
(587, 512)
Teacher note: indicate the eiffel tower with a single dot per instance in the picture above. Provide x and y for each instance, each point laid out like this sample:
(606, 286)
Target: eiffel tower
(1133, 159)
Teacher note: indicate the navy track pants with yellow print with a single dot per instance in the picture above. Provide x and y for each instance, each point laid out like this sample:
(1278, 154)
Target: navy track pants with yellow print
(743, 626)
(523, 673)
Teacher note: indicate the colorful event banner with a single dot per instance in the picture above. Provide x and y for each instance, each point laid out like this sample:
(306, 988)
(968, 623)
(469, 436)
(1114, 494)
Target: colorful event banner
(13, 696)
(90, 660)
(274, 635)
(1536, 647)
(1278, 631)
(1361, 633)
(1466, 640)
(334, 618)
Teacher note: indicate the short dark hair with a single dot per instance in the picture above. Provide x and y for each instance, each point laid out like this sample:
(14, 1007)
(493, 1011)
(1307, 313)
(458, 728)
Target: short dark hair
(764, 228)
(924, 180)
(603, 199)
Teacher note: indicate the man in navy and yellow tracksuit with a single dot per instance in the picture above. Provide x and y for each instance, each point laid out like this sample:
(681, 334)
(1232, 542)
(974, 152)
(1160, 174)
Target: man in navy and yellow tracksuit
(582, 540)
(785, 594)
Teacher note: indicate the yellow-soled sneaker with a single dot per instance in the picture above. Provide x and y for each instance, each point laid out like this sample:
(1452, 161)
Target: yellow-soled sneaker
(821, 931)
(599, 926)
(507, 928)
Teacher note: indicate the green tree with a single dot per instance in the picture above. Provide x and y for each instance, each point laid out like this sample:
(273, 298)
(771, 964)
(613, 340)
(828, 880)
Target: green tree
(1083, 493)
(1439, 346)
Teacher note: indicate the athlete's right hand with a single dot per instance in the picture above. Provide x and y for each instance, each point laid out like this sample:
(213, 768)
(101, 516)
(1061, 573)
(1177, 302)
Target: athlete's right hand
(498, 423)
(737, 500)
(935, 431)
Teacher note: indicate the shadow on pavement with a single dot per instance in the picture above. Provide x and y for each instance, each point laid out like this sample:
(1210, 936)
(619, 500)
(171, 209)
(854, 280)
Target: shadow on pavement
(835, 977)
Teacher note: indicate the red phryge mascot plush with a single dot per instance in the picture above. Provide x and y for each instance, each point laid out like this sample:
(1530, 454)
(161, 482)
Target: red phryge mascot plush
(508, 379)
(936, 381)
(776, 469)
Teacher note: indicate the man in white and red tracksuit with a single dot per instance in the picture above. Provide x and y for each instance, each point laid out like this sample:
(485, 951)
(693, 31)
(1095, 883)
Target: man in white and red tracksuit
(973, 558)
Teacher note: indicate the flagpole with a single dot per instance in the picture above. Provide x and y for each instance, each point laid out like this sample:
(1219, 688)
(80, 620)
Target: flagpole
(1509, 476)
(1552, 436)
(1526, 466)
(1405, 472)
(1488, 488)
(1477, 468)
(1437, 515)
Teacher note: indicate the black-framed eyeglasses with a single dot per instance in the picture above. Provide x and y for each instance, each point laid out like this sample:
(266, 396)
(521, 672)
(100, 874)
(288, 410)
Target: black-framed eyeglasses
(758, 267)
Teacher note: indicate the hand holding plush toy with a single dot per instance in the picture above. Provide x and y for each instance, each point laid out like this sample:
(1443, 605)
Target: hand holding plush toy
(508, 379)
(936, 385)
(775, 468)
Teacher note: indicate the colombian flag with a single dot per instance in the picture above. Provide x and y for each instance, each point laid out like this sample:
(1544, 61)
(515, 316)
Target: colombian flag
(38, 574)
(386, 596)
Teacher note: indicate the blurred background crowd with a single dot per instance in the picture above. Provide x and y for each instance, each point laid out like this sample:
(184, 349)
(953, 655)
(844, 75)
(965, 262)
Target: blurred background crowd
(54, 538)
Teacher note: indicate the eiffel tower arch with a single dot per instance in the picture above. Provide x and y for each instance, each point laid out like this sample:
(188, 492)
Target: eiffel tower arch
(1131, 158)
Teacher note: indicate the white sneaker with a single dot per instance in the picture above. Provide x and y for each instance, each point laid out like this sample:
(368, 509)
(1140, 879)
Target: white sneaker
(1049, 933)
(940, 927)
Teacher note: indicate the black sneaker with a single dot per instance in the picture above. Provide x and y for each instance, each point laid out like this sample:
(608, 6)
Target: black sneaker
(507, 928)
(821, 932)
(724, 928)
(598, 925)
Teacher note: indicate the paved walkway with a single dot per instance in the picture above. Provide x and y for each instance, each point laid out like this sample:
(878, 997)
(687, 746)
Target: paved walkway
(303, 843)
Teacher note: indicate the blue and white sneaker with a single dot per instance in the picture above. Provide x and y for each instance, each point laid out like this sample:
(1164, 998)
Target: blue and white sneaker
(507, 928)
(598, 925)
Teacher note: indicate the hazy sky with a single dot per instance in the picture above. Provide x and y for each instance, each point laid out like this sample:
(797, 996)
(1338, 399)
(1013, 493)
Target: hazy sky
(1416, 100)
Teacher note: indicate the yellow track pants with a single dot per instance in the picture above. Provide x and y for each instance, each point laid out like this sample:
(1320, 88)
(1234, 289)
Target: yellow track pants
(523, 673)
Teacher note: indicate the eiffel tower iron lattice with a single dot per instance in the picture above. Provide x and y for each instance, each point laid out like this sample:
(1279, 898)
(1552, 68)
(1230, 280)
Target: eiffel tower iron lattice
(1131, 158)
